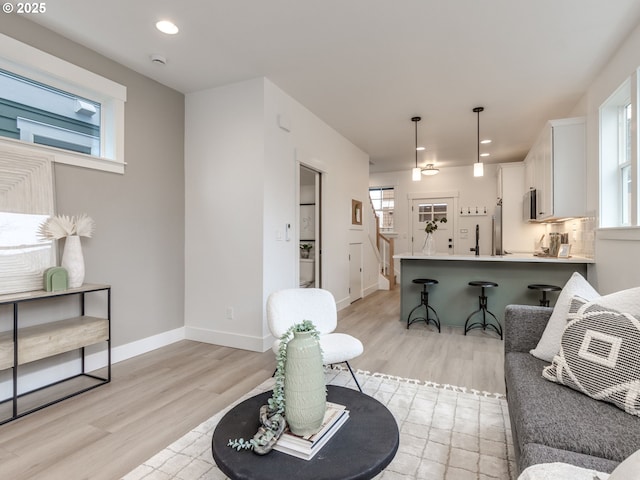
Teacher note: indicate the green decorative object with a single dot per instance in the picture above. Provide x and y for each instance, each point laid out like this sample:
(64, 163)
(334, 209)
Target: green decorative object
(304, 384)
(272, 416)
(55, 279)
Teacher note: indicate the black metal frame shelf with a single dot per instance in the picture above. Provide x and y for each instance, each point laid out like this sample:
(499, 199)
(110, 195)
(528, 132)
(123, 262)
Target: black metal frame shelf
(77, 324)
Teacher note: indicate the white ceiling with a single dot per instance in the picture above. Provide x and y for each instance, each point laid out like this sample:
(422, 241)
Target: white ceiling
(367, 66)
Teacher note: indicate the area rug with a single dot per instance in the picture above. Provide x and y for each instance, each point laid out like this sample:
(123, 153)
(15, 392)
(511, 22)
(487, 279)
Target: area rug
(446, 433)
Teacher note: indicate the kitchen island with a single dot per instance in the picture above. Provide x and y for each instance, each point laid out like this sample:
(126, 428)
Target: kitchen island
(454, 299)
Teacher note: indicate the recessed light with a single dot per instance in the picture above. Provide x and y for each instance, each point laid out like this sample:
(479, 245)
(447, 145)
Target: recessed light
(420, 149)
(165, 26)
(485, 154)
(485, 141)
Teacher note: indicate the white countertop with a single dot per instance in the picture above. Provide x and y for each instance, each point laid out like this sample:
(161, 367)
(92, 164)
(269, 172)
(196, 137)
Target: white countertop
(512, 257)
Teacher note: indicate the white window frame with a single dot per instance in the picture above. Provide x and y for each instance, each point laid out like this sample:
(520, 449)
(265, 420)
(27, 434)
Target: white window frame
(29, 62)
(611, 141)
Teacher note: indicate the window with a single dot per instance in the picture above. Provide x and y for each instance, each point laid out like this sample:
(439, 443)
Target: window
(428, 212)
(35, 113)
(54, 106)
(383, 202)
(618, 157)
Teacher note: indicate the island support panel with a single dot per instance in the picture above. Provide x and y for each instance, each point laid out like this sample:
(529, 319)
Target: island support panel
(454, 299)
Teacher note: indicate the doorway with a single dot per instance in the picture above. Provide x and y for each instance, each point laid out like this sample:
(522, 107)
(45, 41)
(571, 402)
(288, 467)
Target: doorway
(310, 227)
(428, 209)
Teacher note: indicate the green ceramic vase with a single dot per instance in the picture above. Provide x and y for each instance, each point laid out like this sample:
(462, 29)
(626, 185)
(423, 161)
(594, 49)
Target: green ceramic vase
(304, 385)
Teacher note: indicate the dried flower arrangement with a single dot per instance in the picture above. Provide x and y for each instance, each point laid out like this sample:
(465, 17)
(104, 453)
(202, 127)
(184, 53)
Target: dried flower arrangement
(61, 226)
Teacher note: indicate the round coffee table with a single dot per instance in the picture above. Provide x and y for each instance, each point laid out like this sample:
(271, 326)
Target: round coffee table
(361, 449)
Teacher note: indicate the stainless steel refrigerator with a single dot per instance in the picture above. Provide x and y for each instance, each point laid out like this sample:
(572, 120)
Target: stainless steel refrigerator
(496, 223)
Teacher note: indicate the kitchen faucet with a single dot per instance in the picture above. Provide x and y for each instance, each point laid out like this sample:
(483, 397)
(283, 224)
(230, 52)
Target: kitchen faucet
(477, 247)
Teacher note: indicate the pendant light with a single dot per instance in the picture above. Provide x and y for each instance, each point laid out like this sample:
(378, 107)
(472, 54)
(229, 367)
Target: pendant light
(430, 169)
(416, 174)
(478, 167)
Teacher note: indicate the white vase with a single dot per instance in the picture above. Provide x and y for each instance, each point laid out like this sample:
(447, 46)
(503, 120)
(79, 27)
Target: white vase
(73, 261)
(429, 246)
(305, 392)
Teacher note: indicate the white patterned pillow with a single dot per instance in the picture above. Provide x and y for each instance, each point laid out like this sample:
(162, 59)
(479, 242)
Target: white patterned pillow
(600, 355)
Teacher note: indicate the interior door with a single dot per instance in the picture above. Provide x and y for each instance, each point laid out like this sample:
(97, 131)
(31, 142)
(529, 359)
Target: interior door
(355, 271)
(427, 209)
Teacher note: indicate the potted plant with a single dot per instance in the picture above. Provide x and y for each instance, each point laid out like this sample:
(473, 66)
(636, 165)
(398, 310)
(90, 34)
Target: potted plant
(71, 229)
(272, 415)
(305, 249)
(429, 247)
(432, 225)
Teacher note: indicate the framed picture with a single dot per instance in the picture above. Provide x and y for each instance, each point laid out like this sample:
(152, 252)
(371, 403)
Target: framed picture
(564, 251)
(356, 212)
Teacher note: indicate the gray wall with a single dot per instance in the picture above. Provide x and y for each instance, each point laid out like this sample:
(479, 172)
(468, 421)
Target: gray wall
(138, 245)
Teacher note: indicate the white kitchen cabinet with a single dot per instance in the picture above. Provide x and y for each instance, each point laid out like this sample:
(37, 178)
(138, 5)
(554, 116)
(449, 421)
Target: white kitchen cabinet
(556, 167)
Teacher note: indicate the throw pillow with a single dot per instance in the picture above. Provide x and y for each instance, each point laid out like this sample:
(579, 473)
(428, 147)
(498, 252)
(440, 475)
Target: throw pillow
(599, 355)
(549, 344)
(629, 469)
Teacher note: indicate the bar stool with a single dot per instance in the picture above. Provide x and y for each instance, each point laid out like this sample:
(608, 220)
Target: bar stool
(541, 287)
(424, 302)
(484, 310)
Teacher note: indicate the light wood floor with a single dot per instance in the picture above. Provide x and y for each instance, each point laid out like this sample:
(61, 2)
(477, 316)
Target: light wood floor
(156, 398)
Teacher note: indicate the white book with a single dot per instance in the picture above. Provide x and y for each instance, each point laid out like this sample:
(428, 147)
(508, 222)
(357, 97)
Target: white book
(305, 449)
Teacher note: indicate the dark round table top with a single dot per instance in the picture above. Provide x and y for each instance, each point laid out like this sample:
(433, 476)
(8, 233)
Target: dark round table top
(361, 449)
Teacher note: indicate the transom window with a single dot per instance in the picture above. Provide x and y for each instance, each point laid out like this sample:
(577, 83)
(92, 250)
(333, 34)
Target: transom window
(50, 105)
(36, 113)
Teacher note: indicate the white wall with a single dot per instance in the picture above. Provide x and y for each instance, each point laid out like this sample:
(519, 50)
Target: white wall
(241, 192)
(616, 253)
(471, 192)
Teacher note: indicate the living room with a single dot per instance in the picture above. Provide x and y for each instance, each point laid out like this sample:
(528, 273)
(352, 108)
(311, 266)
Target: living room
(174, 275)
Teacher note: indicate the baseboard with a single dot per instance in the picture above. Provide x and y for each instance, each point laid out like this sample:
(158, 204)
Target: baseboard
(226, 339)
(60, 367)
(138, 347)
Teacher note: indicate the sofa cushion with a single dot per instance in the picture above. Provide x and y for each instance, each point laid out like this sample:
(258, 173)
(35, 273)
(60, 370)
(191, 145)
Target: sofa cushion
(599, 356)
(550, 414)
(534, 454)
(549, 344)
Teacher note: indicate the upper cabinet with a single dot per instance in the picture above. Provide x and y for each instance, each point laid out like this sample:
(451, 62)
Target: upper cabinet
(556, 167)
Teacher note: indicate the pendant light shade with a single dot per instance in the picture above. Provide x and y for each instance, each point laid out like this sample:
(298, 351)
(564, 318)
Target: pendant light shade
(478, 167)
(415, 171)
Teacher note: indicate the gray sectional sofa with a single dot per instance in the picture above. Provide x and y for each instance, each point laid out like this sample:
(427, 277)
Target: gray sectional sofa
(551, 422)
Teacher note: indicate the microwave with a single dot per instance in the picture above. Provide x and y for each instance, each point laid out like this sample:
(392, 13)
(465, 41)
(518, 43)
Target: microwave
(529, 206)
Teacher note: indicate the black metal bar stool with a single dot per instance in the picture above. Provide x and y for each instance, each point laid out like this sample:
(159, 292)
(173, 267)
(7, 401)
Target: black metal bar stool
(484, 310)
(424, 302)
(541, 287)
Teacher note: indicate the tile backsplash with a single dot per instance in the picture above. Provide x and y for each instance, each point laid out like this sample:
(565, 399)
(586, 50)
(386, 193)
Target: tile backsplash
(581, 235)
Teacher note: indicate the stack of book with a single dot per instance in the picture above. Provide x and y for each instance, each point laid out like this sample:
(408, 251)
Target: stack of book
(306, 447)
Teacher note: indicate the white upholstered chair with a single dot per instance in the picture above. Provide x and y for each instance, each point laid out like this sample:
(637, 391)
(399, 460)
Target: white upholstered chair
(290, 306)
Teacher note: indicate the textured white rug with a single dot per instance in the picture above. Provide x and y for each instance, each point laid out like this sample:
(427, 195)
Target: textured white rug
(446, 433)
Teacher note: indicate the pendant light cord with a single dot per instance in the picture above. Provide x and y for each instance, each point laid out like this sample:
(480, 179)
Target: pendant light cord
(415, 120)
(478, 110)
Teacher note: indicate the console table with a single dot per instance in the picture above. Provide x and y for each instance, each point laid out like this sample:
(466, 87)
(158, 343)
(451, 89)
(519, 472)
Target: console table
(360, 450)
(25, 344)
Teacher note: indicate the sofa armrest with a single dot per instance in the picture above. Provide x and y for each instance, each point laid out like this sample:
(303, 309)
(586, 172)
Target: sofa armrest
(523, 326)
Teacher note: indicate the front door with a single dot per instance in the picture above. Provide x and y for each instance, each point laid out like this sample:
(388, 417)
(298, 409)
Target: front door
(427, 209)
